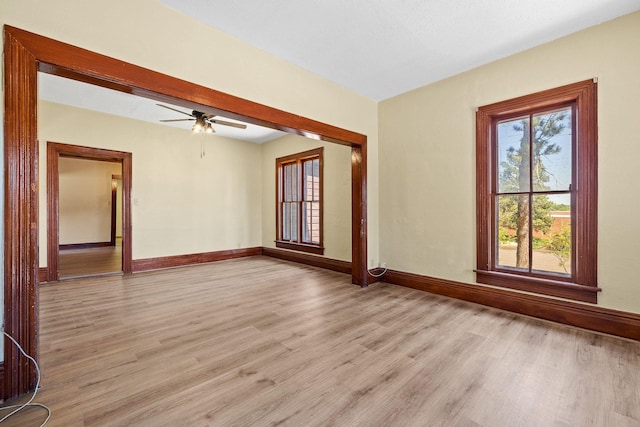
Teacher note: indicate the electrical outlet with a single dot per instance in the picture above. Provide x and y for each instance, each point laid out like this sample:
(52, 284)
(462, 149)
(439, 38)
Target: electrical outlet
(383, 264)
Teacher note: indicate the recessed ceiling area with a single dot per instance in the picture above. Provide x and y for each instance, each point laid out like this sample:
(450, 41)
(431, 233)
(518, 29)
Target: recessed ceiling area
(83, 95)
(382, 48)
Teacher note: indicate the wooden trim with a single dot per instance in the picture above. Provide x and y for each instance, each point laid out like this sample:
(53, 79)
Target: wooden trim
(2, 376)
(114, 210)
(43, 275)
(24, 54)
(539, 285)
(55, 150)
(85, 245)
(318, 250)
(20, 214)
(299, 159)
(359, 224)
(585, 316)
(190, 259)
(582, 286)
(316, 261)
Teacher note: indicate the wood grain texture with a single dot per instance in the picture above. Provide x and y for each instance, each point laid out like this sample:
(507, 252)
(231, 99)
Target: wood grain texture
(316, 261)
(190, 259)
(90, 261)
(20, 214)
(263, 342)
(591, 317)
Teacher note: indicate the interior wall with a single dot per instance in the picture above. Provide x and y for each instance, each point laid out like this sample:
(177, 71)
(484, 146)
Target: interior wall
(336, 192)
(427, 151)
(181, 203)
(165, 41)
(84, 201)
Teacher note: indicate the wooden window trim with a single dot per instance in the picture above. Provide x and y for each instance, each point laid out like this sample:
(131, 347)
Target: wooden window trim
(582, 285)
(298, 158)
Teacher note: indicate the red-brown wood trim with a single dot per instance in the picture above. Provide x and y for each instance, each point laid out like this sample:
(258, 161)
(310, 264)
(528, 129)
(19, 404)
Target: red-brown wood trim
(299, 158)
(55, 150)
(540, 286)
(25, 53)
(20, 215)
(585, 316)
(300, 247)
(114, 207)
(1, 376)
(584, 95)
(190, 259)
(84, 245)
(315, 261)
(360, 275)
(53, 208)
(43, 275)
(69, 61)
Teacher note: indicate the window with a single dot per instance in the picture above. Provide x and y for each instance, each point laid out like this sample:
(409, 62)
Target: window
(299, 201)
(537, 192)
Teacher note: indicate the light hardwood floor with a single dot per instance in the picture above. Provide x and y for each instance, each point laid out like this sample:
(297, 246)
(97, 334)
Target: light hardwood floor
(90, 261)
(258, 341)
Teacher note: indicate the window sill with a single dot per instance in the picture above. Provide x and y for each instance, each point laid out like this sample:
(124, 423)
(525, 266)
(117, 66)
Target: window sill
(556, 288)
(318, 250)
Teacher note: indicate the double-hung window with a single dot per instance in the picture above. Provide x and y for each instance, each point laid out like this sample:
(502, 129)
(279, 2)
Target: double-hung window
(299, 201)
(537, 193)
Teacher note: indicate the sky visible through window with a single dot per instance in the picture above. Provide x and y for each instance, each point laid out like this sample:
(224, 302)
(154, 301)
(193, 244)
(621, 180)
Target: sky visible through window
(557, 165)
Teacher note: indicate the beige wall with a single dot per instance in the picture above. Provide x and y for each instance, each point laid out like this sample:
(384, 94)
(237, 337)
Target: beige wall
(85, 200)
(427, 152)
(336, 193)
(164, 41)
(182, 203)
(427, 168)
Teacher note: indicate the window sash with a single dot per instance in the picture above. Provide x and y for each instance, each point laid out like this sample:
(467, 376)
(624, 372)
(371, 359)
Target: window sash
(582, 283)
(525, 188)
(299, 202)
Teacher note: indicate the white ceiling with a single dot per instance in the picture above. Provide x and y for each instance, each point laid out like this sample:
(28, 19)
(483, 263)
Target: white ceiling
(382, 48)
(71, 92)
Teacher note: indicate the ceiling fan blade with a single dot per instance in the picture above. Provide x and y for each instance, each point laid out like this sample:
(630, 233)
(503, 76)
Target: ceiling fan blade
(177, 120)
(174, 109)
(222, 122)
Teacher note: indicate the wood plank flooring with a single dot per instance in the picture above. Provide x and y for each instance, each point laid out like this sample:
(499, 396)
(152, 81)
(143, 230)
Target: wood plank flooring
(90, 261)
(259, 341)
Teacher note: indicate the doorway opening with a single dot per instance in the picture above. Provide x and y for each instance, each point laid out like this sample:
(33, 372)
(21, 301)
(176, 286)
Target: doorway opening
(26, 54)
(88, 211)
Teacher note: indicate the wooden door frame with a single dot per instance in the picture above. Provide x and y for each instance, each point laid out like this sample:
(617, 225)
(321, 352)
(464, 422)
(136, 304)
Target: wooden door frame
(55, 150)
(114, 208)
(25, 54)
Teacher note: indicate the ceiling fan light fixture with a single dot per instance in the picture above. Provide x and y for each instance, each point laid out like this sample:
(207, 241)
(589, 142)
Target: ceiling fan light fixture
(198, 126)
(209, 128)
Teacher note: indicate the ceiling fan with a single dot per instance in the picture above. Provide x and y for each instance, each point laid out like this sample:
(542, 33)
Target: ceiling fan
(203, 121)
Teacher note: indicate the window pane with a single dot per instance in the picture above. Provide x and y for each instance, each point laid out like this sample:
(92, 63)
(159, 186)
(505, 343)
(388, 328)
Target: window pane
(552, 233)
(293, 219)
(311, 222)
(315, 219)
(290, 180)
(311, 180)
(552, 140)
(513, 232)
(308, 180)
(286, 221)
(513, 155)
